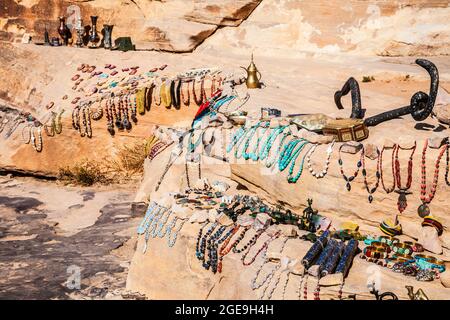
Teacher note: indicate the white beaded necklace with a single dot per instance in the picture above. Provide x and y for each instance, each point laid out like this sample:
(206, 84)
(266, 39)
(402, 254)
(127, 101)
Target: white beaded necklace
(322, 173)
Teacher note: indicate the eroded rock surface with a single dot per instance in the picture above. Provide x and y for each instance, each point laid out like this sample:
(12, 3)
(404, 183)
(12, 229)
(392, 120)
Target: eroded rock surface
(39, 260)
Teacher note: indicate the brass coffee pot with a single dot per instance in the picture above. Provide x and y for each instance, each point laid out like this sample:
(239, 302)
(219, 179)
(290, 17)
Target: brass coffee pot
(253, 81)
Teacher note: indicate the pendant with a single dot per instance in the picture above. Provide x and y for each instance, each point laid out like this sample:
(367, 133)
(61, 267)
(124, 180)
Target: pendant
(401, 202)
(423, 210)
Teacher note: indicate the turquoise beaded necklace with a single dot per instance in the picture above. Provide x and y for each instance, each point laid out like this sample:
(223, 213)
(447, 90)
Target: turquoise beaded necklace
(254, 155)
(264, 152)
(193, 145)
(288, 153)
(236, 138)
(294, 179)
(270, 161)
(248, 135)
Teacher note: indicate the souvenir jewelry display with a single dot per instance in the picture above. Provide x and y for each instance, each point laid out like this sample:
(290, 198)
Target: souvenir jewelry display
(423, 209)
(380, 169)
(403, 191)
(370, 190)
(348, 179)
(322, 173)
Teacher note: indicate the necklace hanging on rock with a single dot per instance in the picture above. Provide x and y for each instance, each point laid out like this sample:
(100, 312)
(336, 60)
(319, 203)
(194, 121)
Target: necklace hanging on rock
(372, 190)
(349, 179)
(447, 163)
(423, 209)
(323, 172)
(380, 169)
(403, 191)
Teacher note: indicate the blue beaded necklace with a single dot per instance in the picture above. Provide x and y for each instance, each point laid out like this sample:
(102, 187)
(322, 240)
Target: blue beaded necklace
(236, 138)
(264, 152)
(254, 155)
(192, 146)
(288, 153)
(271, 161)
(294, 179)
(248, 135)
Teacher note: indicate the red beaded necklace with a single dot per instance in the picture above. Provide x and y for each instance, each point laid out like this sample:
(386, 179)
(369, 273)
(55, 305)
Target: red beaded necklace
(423, 209)
(264, 246)
(403, 191)
(380, 169)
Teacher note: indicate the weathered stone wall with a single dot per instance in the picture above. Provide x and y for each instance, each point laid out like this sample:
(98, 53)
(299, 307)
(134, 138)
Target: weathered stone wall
(388, 28)
(172, 25)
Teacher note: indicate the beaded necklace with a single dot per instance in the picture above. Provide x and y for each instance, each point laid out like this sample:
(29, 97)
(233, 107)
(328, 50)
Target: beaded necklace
(263, 247)
(214, 259)
(224, 250)
(364, 174)
(323, 172)
(185, 101)
(249, 244)
(51, 132)
(36, 141)
(403, 191)
(172, 236)
(423, 209)
(147, 218)
(109, 117)
(287, 153)
(247, 137)
(380, 169)
(270, 161)
(198, 100)
(201, 248)
(349, 179)
(209, 246)
(268, 278)
(267, 145)
(236, 138)
(294, 179)
(254, 155)
(172, 158)
(447, 163)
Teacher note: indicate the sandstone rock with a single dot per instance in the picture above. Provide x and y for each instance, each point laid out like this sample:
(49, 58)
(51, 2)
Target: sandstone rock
(314, 137)
(437, 139)
(388, 143)
(442, 113)
(332, 280)
(371, 151)
(406, 142)
(288, 230)
(352, 147)
(430, 240)
(445, 277)
(199, 216)
(297, 268)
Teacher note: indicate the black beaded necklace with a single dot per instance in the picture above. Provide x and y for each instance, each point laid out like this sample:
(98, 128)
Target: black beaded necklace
(349, 179)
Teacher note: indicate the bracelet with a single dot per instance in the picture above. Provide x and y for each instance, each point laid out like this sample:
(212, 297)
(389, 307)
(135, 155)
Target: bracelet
(425, 262)
(432, 222)
(391, 230)
(416, 247)
(402, 248)
(407, 257)
(376, 253)
(388, 240)
(382, 246)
